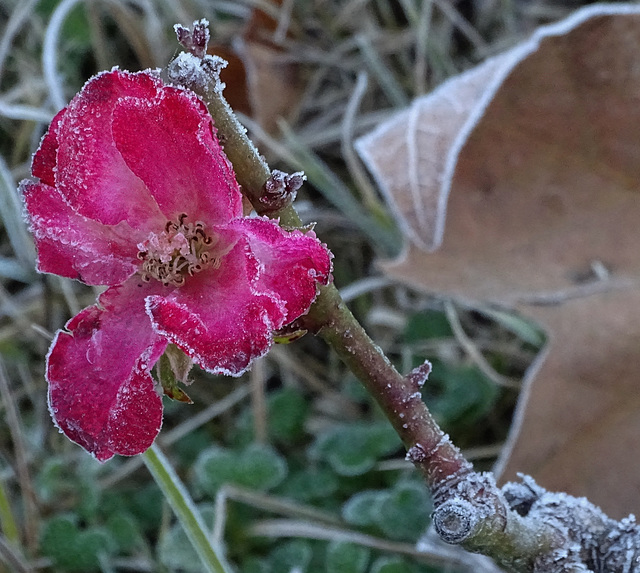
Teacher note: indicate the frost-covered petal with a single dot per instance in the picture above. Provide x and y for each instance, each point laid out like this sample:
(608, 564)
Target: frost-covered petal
(169, 144)
(101, 394)
(217, 317)
(90, 173)
(73, 246)
(44, 160)
(291, 262)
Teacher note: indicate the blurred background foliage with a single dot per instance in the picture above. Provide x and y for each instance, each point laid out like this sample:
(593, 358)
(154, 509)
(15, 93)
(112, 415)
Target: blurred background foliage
(292, 465)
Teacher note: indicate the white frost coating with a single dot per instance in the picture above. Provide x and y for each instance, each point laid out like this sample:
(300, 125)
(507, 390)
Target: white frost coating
(52, 411)
(423, 228)
(188, 69)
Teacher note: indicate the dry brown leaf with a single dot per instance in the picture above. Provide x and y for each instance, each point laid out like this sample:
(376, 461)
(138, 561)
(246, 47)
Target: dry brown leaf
(540, 150)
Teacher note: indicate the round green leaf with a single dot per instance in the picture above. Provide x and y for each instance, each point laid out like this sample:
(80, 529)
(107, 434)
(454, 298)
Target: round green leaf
(291, 555)
(288, 411)
(363, 508)
(258, 466)
(404, 513)
(345, 557)
(310, 484)
(261, 467)
(72, 549)
(354, 449)
(391, 565)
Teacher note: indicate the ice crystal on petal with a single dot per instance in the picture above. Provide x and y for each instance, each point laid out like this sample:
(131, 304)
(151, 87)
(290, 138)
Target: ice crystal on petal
(135, 193)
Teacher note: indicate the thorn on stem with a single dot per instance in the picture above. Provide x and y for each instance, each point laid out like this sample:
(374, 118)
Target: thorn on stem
(419, 375)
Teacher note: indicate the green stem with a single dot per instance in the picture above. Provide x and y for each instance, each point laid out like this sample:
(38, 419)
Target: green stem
(398, 396)
(185, 510)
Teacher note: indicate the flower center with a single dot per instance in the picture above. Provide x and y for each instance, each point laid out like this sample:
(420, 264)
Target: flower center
(181, 250)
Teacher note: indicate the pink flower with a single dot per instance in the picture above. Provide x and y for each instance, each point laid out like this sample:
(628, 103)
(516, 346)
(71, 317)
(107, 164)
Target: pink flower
(135, 193)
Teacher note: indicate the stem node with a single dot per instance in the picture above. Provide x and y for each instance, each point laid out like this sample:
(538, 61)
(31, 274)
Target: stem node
(455, 520)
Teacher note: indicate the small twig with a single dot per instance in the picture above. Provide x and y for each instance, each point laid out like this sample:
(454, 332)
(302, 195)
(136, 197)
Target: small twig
(363, 286)
(19, 16)
(284, 21)
(422, 43)
(472, 350)
(9, 555)
(22, 465)
(294, 528)
(383, 74)
(258, 381)
(354, 166)
(270, 503)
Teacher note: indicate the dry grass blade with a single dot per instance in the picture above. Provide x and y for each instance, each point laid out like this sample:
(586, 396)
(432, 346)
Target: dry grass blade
(21, 458)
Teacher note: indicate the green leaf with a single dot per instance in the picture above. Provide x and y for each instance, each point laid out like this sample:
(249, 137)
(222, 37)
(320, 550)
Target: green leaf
(58, 479)
(405, 513)
(172, 370)
(72, 549)
(363, 508)
(310, 484)
(258, 467)
(291, 555)
(145, 503)
(345, 557)
(125, 531)
(261, 467)
(354, 449)
(254, 565)
(427, 324)
(391, 565)
(288, 411)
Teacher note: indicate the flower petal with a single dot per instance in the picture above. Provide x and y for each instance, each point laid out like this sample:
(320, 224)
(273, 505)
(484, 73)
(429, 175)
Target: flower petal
(217, 317)
(292, 263)
(101, 394)
(73, 246)
(170, 145)
(44, 160)
(90, 173)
